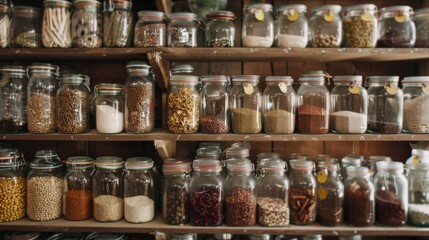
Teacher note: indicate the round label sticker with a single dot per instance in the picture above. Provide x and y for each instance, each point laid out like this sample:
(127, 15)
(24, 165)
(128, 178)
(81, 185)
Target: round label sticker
(329, 16)
(322, 193)
(416, 160)
(392, 89)
(425, 88)
(248, 88)
(322, 177)
(353, 89)
(292, 15)
(365, 16)
(400, 17)
(283, 87)
(259, 15)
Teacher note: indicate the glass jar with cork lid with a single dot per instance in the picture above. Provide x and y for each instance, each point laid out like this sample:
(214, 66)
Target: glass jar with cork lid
(109, 102)
(292, 26)
(4, 24)
(117, 23)
(150, 29)
(25, 27)
(326, 27)
(360, 26)
(396, 29)
(56, 24)
(258, 25)
(220, 29)
(416, 103)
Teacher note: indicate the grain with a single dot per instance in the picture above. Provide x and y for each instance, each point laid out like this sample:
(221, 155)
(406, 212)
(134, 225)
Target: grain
(72, 111)
(44, 198)
(246, 120)
(240, 207)
(384, 127)
(108, 208)
(279, 121)
(77, 204)
(41, 113)
(273, 212)
(416, 117)
(220, 42)
(12, 199)
(139, 209)
(139, 108)
(293, 41)
(348, 122)
(256, 41)
(183, 111)
(150, 35)
(360, 33)
(312, 119)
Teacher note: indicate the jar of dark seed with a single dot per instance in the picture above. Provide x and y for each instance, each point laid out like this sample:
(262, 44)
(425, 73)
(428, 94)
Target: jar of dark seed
(87, 29)
(109, 104)
(4, 24)
(258, 26)
(150, 29)
(360, 26)
(117, 23)
(416, 100)
(182, 30)
(326, 27)
(292, 26)
(25, 27)
(396, 29)
(418, 184)
(385, 107)
(421, 20)
(220, 29)
(56, 24)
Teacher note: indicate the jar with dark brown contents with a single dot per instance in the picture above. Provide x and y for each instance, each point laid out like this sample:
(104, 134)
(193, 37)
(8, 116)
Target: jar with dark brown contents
(396, 29)
(150, 30)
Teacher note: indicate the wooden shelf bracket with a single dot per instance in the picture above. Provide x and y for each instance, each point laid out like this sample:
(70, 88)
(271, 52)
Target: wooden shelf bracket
(161, 68)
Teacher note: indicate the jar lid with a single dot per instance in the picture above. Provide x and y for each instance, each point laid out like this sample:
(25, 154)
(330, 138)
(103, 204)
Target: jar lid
(412, 80)
(246, 78)
(109, 89)
(239, 166)
(234, 152)
(328, 166)
(139, 163)
(8, 151)
(66, 236)
(105, 236)
(184, 79)
(109, 162)
(285, 79)
(309, 79)
(74, 79)
(45, 159)
(389, 165)
(352, 159)
(208, 152)
(214, 78)
(267, 155)
(301, 165)
(263, 6)
(209, 144)
(223, 236)
(348, 79)
(79, 162)
(182, 16)
(152, 15)
(374, 159)
(396, 9)
(25, 10)
(383, 79)
(241, 144)
(272, 164)
(175, 167)
(298, 7)
(94, 2)
(21, 235)
(358, 7)
(46, 153)
(357, 171)
(183, 236)
(420, 152)
(418, 166)
(12, 69)
(43, 67)
(207, 165)
(57, 2)
(138, 66)
(182, 68)
(227, 15)
(334, 8)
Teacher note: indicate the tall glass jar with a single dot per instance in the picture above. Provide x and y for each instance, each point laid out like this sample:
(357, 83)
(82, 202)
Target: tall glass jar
(56, 24)
(139, 98)
(418, 185)
(292, 26)
(118, 23)
(25, 27)
(41, 97)
(348, 161)
(139, 191)
(214, 104)
(385, 107)
(420, 19)
(150, 29)
(86, 24)
(360, 26)
(13, 105)
(109, 102)
(279, 103)
(258, 26)
(182, 30)
(416, 101)
(108, 189)
(77, 193)
(183, 108)
(396, 29)
(220, 29)
(4, 24)
(245, 104)
(349, 105)
(326, 27)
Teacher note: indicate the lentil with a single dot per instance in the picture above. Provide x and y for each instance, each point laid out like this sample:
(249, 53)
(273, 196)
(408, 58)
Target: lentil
(183, 111)
(302, 205)
(312, 119)
(139, 209)
(72, 111)
(150, 35)
(213, 124)
(384, 127)
(177, 211)
(273, 212)
(44, 198)
(77, 204)
(279, 121)
(41, 113)
(141, 109)
(359, 32)
(246, 120)
(108, 208)
(240, 207)
(12, 199)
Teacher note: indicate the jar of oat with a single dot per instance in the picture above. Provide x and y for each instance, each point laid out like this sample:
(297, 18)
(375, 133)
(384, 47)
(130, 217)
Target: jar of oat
(292, 26)
(385, 107)
(4, 24)
(418, 184)
(416, 101)
(421, 20)
(117, 23)
(183, 107)
(220, 29)
(279, 100)
(258, 26)
(245, 104)
(108, 189)
(326, 27)
(87, 29)
(182, 30)
(41, 97)
(56, 24)
(109, 102)
(349, 105)
(25, 27)
(150, 29)
(139, 98)
(360, 26)
(396, 29)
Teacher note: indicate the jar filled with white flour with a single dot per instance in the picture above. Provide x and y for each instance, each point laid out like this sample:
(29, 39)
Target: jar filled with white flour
(258, 26)
(416, 103)
(109, 104)
(292, 26)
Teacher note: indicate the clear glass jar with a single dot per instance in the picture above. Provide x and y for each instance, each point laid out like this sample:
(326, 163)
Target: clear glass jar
(208, 153)
(279, 104)
(41, 97)
(118, 23)
(396, 29)
(86, 24)
(214, 104)
(220, 29)
(391, 194)
(350, 160)
(418, 156)
(77, 194)
(73, 104)
(150, 29)
(20, 163)
(13, 105)
(385, 107)
(416, 101)
(4, 24)
(202, 8)
(349, 105)
(421, 20)
(326, 27)
(182, 30)
(108, 189)
(139, 191)
(139, 98)
(246, 104)
(182, 69)
(109, 102)
(258, 26)
(183, 110)
(56, 24)
(418, 185)
(292, 26)
(25, 27)
(360, 26)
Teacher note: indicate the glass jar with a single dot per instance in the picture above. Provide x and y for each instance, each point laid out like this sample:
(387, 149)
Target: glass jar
(350, 160)
(292, 26)
(418, 156)
(214, 104)
(396, 28)
(245, 104)
(20, 163)
(279, 100)
(183, 104)
(182, 69)
(150, 29)
(208, 153)
(13, 105)
(202, 8)
(391, 194)
(385, 107)
(182, 30)
(86, 24)
(326, 27)
(265, 156)
(237, 152)
(73, 103)
(109, 102)
(108, 189)
(360, 26)
(56, 24)
(77, 194)
(416, 101)
(420, 19)
(139, 98)
(4, 24)
(418, 185)
(25, 27)
(118, 23)
(220, 29)
(349, 105)
(41, 97)
(258, 26)
(139, 192)
(372, 164)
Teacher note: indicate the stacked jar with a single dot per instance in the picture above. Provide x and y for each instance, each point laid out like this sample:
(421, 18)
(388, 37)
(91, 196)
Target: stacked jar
(117, 23)
(150, 30)
(86, 24)
(360, 26)
(220, 29)
(56, 24)
(292, 26)
(4, 24)
(109, 104)
(258, 26)
(416, 101)
(396, 29)
(25, 27)
(418, 184)
(326, 28)
(182, 30)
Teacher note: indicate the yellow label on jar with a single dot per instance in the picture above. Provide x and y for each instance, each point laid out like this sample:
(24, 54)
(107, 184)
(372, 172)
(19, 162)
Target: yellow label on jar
(353, 89)
(416, 160)
(322, 193)
(259, 15)
(400, 17)
(392, 89)
(425, 88)
(292, 15)
(283, 87)
(248, 88)
(329, 16)
(322, 177)
(366, 16)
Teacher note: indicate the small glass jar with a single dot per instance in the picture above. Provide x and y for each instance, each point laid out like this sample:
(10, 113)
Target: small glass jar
(245, 104)
(348, 161)
(258, 26)
(139, 98)
(418, 185)
(108, 189)
(182, 69)
(13, 106)
(4, 24)
(416, 101)
(86, 24)
(220, 29)
(25, 27)
(279, 100)
(349, 105)
(326, 27)
(77, 194)
(118, 23)
(150, 29)
(214, 104)
(182, 30)
(360, 26)
(109, 102)
(56, 24)
(183, 110)
(41, 97)
(385, 107)
(420, 19)
(292, 26)
(396, 29)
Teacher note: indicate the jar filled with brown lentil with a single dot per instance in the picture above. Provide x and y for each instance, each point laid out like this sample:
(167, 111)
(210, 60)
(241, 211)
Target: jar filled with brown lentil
(292, 26)
(182, 30)
(87, 28)
(220, 29)
(360, 26)
(396, 29)
(117, 23)
(326, 27)
(56, 24)
(4, 24)
(25, 27)
(150, 29)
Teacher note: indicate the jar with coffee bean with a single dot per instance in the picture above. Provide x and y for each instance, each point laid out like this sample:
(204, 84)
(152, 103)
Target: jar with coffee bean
(150, 29)
(416, 100)
(182, 30)
(87, 29)
(4, 24)
(421, 20)
(117, 23)
(418, 186)
(220, 29)
(56, 24)
(326, 27)
(292, 26)
(396, 29)
(360, 26)
(109, 104)
(25, 27)
(258, 26)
